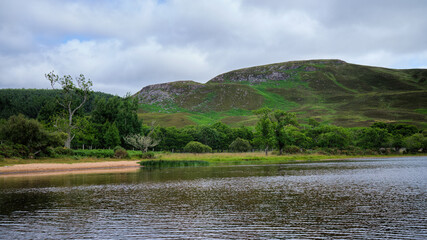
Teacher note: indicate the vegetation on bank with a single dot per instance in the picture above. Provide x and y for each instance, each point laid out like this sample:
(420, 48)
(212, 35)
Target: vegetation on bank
(113, 124)
(212, 158)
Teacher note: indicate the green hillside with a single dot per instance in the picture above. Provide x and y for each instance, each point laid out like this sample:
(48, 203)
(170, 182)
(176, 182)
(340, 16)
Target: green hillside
(328, 90)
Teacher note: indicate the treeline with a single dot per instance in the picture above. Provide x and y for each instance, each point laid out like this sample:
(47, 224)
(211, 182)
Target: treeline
(281, 131)
(113, 120)
(38, 103)
(104, 127)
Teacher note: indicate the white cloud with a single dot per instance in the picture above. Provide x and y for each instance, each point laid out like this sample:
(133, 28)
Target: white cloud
(125, 45)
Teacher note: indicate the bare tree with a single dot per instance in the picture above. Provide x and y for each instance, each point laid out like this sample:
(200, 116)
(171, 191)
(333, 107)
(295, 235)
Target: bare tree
(73, 98)
(142, 142)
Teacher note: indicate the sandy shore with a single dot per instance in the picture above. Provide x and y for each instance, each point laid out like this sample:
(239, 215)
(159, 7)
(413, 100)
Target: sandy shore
(63, 168)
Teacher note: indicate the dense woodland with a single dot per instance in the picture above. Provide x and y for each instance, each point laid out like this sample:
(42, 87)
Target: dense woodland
(34, 125)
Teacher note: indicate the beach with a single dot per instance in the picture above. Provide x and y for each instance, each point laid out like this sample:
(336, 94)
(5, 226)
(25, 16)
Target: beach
(64, 168)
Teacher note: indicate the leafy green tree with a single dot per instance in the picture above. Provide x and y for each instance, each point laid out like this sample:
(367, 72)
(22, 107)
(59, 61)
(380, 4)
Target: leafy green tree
(264, 129)
(243, 132)
(397, 128)
(336, 137)
(225, 135)
(30, 133)
(173, 139)
(209, 136)
(281, 120)
(240, 145)
(87, 133)
(197, 147)
(127, 118)
(112, 137)
(415, 142)
(294, 136)
(106, 110)
(272, 125)
(373, 137)
(121, 111)
(73, 97)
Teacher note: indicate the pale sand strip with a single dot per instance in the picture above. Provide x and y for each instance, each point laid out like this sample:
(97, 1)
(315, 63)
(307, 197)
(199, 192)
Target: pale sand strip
(63, 168)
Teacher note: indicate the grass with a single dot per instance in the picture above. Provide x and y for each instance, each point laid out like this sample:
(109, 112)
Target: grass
(328, 90)
(255, 157)
(213, 158)
(334, 80)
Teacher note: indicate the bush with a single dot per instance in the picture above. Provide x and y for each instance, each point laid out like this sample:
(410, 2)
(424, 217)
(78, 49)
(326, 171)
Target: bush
(415, 142)
(98, 153)
(63, 151)
(197, 147)
(7, 151)
(291, 149)
(120, 153)
(147, 155)
(15, 150)
(27, 136)
(240, 145)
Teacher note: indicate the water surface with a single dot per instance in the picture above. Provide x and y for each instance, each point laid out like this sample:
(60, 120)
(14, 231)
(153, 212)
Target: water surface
(375, 198)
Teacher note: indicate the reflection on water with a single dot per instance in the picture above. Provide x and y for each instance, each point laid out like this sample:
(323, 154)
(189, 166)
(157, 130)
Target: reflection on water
(357, 199)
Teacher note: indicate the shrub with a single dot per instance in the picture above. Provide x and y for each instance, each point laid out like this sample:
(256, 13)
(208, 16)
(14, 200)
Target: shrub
(240, 145)
(63, 151)
(415, 142)
(197, 147)
(117, 148)
(147, 155)
(120, 153)
(7, 150)
(15, 150)
(98, 153)
(292, 149)
(28, 136)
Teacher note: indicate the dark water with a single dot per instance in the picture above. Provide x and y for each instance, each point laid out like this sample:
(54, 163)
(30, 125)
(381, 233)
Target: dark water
(375, 199)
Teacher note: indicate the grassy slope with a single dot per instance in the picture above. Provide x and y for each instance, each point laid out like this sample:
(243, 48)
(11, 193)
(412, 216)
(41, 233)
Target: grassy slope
(214, 158)
(328, 90)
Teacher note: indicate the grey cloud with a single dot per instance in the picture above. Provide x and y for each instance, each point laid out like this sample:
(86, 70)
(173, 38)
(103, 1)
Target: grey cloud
(125, 45)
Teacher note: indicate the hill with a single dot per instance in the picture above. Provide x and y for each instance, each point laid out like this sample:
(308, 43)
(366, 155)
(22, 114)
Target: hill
(328, 90)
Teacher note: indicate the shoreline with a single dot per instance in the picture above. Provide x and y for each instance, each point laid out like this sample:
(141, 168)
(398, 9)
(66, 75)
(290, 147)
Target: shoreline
(66, 168)
(110, 166)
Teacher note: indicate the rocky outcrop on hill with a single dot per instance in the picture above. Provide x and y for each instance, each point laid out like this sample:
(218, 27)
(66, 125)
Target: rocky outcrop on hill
(272, 72)
(159, 93)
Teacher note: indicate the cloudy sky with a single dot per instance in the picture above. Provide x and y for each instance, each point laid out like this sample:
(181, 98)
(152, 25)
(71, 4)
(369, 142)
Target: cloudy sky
(123, 46)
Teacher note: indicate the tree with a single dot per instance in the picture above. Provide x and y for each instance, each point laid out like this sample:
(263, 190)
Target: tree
(415, 142)
(373, 137)
(173, 139)
(127, 118)
(73, 98)
(142, 142)
(29, 133)
(294, 136)
(197, 147)
(281, 120)
(209, 136)
(87, 134)
(111, 136)
(264, 134)
(240, 145)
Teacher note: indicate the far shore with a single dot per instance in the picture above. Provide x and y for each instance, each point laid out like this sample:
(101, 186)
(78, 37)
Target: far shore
(56, 166)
